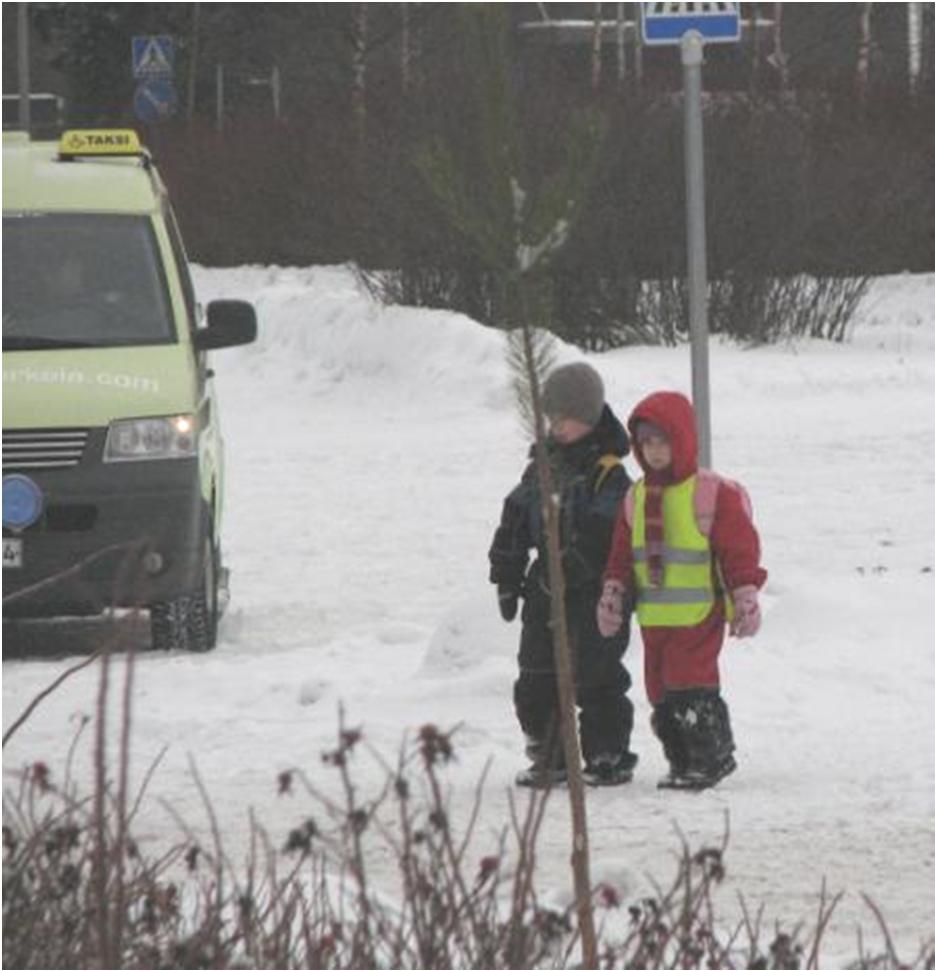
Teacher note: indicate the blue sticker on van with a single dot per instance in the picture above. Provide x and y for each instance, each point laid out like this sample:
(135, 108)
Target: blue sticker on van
(22, 502)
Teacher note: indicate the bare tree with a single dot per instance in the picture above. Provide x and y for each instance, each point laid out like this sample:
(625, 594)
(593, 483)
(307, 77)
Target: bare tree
(862, 76)
(621, 44)
(778, 57)
(914, 17)
(193, 62)
(596, 43)
(359, 69)
(405, 48)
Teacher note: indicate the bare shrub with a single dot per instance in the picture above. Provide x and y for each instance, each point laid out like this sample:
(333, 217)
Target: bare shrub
(383, 873)
(315, 899)
(750, 309)
(764, 309)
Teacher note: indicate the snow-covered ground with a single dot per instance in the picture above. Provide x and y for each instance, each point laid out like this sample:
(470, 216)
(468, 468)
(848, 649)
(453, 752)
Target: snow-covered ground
(369, 450)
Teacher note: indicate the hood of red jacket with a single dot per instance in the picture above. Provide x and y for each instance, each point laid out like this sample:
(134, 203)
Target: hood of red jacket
(674, 414)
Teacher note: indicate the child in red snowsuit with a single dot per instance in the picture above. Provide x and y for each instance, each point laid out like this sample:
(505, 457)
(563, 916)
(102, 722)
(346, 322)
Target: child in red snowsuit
(691, 572)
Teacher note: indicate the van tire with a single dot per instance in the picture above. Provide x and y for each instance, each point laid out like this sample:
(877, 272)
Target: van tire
(189, 622)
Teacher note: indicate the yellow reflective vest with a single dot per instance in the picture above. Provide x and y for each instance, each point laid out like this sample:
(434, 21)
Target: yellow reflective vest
(688, 590)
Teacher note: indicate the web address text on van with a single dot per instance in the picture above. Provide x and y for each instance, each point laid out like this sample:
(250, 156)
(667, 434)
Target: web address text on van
(62, 375)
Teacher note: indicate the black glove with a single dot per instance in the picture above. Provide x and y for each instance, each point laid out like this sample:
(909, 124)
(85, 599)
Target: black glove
(508, 601)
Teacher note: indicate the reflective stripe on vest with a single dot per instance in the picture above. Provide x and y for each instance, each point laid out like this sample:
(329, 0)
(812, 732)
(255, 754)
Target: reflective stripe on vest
(672, 555)
(687, 594)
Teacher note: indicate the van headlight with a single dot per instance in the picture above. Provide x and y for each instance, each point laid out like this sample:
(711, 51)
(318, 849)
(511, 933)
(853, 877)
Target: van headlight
(139, 439)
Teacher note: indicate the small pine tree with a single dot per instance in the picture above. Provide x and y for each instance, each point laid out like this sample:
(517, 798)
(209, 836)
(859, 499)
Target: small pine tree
(516, 231)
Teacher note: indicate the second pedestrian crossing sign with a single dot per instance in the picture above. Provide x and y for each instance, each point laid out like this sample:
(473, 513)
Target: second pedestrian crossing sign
(667, 23)
(153, 56)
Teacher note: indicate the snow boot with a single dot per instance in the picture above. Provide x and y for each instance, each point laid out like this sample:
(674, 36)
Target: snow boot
(666, 729)
(610, 770)
(541, 777)
(547, 764)
(698, 740)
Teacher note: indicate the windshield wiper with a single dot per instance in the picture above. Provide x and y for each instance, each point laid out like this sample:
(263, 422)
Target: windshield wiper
(24, 342)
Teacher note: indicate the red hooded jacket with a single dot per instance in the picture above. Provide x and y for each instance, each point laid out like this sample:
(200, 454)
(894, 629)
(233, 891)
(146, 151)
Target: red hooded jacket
(733, 537)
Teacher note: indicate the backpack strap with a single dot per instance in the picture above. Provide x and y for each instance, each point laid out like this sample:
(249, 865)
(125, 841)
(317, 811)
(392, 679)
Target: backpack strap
(707, 485)
(629, 505)
(605, 465)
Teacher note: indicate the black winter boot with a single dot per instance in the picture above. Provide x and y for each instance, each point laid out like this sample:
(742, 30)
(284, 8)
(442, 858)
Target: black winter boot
(546, 764)
(610, 769)
(702, 743)
(666, 729)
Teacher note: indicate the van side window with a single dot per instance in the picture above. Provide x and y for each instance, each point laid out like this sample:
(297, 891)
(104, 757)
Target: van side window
(181, 264)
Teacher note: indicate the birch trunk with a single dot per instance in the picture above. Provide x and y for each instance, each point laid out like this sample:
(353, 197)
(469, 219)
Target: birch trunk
(621, 44)
(779, 55)
(914, 16)
(596, 49)
(359, 70)
(862, 77)
(193, 64)
(405, 49)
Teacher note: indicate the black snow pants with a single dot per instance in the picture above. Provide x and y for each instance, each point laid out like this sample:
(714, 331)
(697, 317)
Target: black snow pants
(605, 713)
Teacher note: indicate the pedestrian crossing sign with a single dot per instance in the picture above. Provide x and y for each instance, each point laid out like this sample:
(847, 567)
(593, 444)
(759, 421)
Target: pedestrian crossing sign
(667, 23)
(153, 56)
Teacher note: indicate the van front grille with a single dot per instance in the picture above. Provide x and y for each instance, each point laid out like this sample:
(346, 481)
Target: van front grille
(43, 448)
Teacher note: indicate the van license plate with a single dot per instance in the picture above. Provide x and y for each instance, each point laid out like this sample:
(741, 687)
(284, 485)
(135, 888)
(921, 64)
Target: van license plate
(12, 554)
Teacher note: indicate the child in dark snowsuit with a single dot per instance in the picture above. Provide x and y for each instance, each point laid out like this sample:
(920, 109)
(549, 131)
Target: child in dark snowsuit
(685, 549)
(585, 444)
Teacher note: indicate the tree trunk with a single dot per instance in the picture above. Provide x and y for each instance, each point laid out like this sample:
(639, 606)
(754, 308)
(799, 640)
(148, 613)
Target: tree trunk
(564, 666)
(405, 49)
(359, 71)
(621, 44)
(638, 55)
(755, 45)
(914, 14)
(778, 58)
(862, 77)
(596, 50)
(193, 63)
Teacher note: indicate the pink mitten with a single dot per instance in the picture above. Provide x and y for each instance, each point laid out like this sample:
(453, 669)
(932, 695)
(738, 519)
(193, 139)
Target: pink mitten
(746, 620)
(610, 608)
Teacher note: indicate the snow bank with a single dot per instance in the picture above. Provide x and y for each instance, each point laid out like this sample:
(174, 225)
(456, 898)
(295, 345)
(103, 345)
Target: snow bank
(322, 325)
(369, 450)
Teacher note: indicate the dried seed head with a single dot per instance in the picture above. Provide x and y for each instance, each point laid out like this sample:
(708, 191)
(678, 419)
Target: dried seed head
(434, 745)
(350, 737)
(357, 820)
(487, 867)
(608, 896)
(41, 776)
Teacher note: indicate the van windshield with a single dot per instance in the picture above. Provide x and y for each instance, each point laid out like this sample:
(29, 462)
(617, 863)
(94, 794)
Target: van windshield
(82, 280)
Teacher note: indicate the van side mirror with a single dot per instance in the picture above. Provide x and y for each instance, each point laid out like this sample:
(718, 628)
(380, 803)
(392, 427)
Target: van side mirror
(229, 323)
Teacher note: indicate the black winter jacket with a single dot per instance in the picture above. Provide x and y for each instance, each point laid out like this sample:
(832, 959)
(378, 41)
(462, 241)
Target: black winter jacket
(591, 492)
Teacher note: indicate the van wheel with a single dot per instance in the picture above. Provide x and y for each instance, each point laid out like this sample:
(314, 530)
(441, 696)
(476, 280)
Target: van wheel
(189, 623)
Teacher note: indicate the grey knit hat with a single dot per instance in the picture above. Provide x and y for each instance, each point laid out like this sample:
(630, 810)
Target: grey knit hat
(574, 391)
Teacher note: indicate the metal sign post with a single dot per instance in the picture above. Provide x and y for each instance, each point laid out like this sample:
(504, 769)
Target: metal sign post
(692, 55)
(691, 26)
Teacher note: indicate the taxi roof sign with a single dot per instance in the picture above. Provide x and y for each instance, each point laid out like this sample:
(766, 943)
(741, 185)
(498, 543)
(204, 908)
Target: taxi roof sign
(99, 142)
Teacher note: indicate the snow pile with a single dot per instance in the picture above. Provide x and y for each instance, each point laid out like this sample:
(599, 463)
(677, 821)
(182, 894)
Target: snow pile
(321, 324)
(369, 450)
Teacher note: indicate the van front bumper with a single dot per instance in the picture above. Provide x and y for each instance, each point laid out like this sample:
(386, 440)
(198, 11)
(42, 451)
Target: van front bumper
(110, 535)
